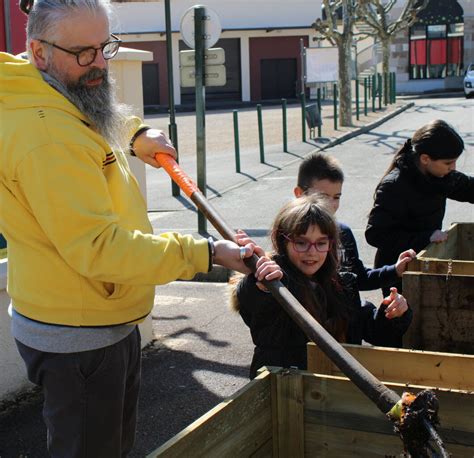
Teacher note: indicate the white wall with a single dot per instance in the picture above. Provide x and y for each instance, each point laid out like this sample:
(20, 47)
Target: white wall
(241, 14)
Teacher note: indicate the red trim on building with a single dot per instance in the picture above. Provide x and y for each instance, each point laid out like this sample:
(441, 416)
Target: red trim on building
(271, 48)
(17, 21)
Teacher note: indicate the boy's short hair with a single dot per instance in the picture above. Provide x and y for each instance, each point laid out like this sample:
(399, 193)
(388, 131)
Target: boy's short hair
(318, 166)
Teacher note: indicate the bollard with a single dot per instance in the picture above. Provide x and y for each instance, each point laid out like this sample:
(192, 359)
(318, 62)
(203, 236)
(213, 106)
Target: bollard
(335, 105)
(385, 89)
(320, 112)
(236, 141)
(394, 87)
(357, 99)
(374, 93)
(380, 88)
(303, 117)
(365, 96)
(285, 133)
(260, 133)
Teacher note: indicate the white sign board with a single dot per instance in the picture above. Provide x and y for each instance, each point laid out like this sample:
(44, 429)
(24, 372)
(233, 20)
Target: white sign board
(321, 65)
(213, 56)
(214, 75)
(212, 27)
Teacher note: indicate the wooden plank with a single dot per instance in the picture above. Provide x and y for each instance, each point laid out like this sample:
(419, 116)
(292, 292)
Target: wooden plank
(466, 242)
(290, 414)
(441, 266)
(432, 369)
(448, 313)
(239, 426)
(444, 250)
(412, 292)
(360, 444)
(335, 403)
(443, 312)
(265, 451)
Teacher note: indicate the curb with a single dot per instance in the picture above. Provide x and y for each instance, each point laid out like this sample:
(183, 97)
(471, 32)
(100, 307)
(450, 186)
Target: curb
(368, 127)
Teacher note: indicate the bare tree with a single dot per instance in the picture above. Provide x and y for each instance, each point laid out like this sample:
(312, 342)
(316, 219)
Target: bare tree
(376, 14)
(343, 38)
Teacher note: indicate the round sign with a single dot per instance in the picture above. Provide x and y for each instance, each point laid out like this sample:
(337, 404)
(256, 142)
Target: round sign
(212, 27)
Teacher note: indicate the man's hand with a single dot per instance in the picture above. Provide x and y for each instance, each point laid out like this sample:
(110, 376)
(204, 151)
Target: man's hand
(150, 142)
(231, 255)
(438, 236)
(403, 260)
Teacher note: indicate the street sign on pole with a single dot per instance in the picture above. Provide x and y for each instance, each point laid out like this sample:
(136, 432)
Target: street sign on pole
(212, 27)
(214, 75)
(213, 56)
(214, 70)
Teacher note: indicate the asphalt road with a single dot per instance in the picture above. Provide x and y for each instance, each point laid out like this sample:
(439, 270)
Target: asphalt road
(202, 350)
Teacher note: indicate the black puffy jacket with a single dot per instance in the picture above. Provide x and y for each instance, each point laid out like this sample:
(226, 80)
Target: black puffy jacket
(409, 206)
(280, 342)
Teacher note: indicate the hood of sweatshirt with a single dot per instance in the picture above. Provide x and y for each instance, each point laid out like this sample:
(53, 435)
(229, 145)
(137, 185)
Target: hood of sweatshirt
(22, 86)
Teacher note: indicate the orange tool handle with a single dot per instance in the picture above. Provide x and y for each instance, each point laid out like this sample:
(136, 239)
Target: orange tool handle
(177, 174)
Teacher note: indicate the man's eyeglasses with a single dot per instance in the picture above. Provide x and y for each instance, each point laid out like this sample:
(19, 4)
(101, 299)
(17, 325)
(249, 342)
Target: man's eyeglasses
(301, 245)
(86, 56)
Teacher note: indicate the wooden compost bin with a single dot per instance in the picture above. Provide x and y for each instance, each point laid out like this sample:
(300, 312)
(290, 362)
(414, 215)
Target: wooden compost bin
(290, 413)
(439, 286)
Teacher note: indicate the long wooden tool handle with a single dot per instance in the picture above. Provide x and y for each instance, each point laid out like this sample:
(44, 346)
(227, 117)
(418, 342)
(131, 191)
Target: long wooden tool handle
(383, 397)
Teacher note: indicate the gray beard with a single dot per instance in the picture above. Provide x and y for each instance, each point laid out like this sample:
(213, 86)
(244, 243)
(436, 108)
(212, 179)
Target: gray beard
(98, 104)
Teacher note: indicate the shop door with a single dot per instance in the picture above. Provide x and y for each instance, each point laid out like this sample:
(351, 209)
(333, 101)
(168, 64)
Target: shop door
(151, 84)
(278, 78)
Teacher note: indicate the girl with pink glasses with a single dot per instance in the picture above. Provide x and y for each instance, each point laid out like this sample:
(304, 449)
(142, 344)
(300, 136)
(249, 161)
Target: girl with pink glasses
(305, 242)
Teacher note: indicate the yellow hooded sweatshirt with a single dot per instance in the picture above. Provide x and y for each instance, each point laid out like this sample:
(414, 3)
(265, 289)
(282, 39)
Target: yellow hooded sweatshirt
(80, 246)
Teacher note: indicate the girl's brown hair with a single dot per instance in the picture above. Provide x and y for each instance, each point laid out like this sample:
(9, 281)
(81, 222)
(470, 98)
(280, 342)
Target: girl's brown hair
(322, 295)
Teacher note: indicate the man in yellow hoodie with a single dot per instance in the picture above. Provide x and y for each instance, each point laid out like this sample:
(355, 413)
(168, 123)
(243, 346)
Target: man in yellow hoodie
(83, 260)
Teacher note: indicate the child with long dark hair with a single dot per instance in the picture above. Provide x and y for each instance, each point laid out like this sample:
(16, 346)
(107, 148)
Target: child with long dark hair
(410, 200)
(305, 241)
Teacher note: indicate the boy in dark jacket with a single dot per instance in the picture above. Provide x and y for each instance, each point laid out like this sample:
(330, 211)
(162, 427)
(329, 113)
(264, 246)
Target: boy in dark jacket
(322, 173)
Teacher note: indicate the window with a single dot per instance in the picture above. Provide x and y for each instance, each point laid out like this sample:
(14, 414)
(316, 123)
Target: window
(436, 51)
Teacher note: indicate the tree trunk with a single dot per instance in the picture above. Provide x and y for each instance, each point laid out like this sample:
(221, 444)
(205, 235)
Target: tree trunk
(345, 89)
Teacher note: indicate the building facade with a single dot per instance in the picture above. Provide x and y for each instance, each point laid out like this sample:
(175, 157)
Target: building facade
(262, 40)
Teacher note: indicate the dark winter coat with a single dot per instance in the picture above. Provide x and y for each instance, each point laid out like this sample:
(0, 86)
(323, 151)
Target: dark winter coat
(409, 206)
(280, 342)
(367, 279)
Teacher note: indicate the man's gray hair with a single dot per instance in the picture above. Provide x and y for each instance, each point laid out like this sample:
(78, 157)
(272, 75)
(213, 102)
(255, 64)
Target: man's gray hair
(44, 15)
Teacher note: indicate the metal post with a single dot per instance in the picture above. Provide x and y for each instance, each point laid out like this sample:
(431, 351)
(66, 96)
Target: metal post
(172, 127)
(380, 88)
(285, 132)
(303, 65)
(374, 92)
(385, 89)
(303, 117)
(260, 134)
(320, 112)
(357, 99)
(365, 96)
(236, 141)
(391, 87)
(394, 87)
(335, 105)
(199, 30)
(7, 21)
